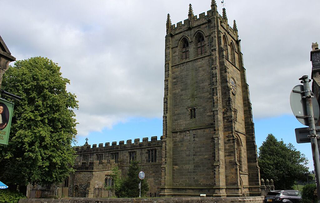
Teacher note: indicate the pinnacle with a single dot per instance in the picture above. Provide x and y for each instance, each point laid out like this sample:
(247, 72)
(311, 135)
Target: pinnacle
(190, 11)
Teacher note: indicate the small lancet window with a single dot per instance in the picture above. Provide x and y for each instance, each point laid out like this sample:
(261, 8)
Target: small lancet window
(132, 156)
(185, 49)
(192, 112)
(152, 155)
(200, 44)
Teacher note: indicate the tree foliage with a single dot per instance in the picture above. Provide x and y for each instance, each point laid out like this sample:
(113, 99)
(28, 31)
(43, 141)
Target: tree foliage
(43, 126)
(10, 196)
(281, 162)
(117, 181)
(129, 186)
(308, 193)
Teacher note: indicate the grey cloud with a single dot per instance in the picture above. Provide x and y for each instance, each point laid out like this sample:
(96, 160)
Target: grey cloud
(113, 51)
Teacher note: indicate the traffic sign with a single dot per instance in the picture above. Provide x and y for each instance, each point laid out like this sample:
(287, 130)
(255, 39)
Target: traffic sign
(298, 105)
(303, 134)
(142, 175)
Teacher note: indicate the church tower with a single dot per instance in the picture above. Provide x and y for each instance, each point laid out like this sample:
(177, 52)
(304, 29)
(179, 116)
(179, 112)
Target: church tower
(208, 133)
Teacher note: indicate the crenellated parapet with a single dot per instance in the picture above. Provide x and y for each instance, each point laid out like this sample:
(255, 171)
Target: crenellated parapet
(120, 146)
(203, 18)
(106, 156)
(182, 26)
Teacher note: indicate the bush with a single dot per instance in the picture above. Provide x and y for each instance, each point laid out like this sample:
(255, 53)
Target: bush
(129, 186)
(308, 193)
(10, 196)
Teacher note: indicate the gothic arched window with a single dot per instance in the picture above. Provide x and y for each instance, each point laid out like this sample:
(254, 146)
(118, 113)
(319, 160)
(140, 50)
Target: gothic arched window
(200, 44)
(184, 49)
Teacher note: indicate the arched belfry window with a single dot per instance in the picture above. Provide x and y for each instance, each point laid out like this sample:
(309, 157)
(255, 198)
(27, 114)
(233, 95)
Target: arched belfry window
(232, 54)
(200, 44)
(184, 49)
(225, 47)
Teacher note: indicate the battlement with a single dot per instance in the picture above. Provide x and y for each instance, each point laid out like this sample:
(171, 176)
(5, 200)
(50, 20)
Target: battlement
(121, 145)
(203, 17)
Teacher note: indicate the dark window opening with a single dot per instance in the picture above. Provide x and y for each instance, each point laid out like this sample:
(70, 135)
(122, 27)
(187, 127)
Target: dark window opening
(66, 182)
(115, 157)
(152, 155)
(108, 181)
(76, 191)
(200, 44)
(132, 156)
(192, 113)
(185, 49)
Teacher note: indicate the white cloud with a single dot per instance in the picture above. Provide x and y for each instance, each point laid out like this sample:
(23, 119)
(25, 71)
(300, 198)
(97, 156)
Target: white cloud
(113, 50)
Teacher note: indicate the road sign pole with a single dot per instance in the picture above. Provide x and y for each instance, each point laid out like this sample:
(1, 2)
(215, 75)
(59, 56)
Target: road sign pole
(140, 189)
(141, 176)
(313, 134)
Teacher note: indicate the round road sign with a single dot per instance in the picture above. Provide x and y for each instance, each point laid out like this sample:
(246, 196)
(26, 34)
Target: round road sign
(142, 175)
(298, 105)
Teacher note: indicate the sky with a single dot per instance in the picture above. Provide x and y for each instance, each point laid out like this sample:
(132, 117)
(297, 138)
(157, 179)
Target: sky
(112, 51)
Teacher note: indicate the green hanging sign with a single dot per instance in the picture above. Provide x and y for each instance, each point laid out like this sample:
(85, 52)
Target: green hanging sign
(6, 113)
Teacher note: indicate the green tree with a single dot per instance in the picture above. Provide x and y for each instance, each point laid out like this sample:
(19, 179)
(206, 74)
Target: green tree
(308, 193)
(129, 186)
(281, 162)
(43, 126)
(117, 181)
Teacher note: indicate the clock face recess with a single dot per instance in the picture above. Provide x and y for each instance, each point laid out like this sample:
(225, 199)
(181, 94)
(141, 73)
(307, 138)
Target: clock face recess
(233, 86)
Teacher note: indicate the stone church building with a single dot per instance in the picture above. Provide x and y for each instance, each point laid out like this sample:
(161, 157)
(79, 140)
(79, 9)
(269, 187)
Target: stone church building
(208, 143)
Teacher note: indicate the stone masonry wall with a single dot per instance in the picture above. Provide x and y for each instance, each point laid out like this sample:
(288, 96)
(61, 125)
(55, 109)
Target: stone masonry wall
(94, 165)
(258, 199)
(206, 110)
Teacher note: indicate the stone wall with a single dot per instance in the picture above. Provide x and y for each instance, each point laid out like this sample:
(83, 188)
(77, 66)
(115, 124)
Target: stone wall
(94, 165)
(258, 199)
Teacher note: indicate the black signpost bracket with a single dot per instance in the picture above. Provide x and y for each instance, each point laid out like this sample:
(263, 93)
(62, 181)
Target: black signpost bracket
(8, 94)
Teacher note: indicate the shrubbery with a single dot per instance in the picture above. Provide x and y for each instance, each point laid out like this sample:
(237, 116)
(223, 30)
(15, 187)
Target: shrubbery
(128, 187)
(7, 196)
(308, 193)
